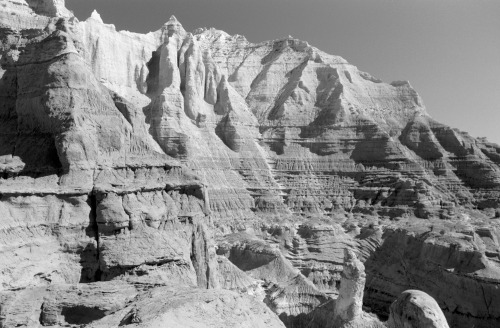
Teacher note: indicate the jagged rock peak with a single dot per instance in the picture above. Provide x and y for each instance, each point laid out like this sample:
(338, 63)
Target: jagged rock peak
(173, 24)
(172, 20)
(210, 32)
(96, 16)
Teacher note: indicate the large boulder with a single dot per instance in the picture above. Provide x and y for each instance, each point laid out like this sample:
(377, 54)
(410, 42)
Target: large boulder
(416, 309)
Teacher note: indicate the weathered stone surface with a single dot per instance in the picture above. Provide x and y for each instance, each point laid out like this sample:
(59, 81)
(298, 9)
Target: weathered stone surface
(113, 304)
(181, 307)
(416, 309)
(349, 304)
(288, 292)
(316, 248)
(446, 260)
(86, 193)
(232, 278)
(123, 156)
(64, 305)
(46, 239)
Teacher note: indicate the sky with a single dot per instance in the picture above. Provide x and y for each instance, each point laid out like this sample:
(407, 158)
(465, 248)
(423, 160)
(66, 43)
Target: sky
(449, 50)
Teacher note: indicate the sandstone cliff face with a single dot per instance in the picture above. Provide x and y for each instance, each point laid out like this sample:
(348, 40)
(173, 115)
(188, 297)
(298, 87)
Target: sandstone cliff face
(135, 158)
(86, 193)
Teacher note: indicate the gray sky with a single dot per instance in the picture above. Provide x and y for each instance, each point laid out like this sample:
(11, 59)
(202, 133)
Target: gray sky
(449, 50)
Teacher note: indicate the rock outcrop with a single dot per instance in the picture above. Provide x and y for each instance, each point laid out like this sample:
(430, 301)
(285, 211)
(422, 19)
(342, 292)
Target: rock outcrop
(181, 307)
(447, 260)
(204, 160)
(349, 304)
(288, 293)
(114, 304)
(416, 309)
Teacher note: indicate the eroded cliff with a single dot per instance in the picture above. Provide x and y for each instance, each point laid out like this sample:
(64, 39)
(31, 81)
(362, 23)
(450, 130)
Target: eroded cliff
(136, 158)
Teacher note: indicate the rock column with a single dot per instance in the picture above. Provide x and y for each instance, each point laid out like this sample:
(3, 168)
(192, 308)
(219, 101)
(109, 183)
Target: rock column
(350, 301)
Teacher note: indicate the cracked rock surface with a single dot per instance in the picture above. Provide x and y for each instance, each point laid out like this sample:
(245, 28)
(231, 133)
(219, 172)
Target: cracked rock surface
(209, 170)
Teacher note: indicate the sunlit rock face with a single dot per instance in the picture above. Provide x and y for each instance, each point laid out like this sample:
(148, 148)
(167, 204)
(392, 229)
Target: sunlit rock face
(416, 309)
(87, 194)
(179, 157)
(282, 128)
(118, 303)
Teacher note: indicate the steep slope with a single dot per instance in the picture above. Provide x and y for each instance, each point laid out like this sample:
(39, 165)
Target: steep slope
(281, 127)
(125, 156)
(86, 192)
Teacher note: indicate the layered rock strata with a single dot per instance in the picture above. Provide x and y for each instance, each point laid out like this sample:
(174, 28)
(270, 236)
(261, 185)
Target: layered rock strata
(447, 260)
(297, 301)
(123, 156)
(288, 292)
(86, 193)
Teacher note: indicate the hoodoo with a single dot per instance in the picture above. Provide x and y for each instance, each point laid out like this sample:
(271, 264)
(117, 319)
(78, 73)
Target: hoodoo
(349, 304)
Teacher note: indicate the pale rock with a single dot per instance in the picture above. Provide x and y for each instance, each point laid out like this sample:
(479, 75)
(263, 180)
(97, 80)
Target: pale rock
(96, 16)
(113, 304)
(25, 14)
(232, 278)
(181, 307)
(348, 305)
(81, 150)
(62, 305)
(446, 259)
(122, 155)
(316, 249)
(288, 293)
(416, 309)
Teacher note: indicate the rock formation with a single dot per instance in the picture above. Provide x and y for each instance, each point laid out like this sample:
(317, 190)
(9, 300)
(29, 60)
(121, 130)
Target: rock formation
(349, 304)
(202, 160)
(115, 303)
(416, 309)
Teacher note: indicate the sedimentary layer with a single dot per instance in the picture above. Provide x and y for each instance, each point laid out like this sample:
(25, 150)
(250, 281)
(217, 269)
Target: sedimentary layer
(204, 160)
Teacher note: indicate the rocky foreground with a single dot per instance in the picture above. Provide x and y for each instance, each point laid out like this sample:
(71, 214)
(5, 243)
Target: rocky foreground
(196, 179)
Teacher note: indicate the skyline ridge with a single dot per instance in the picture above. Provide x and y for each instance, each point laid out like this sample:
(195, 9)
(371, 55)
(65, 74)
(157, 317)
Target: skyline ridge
(440, 42)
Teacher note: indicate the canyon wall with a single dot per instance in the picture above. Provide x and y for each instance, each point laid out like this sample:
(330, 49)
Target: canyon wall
(202, 160)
